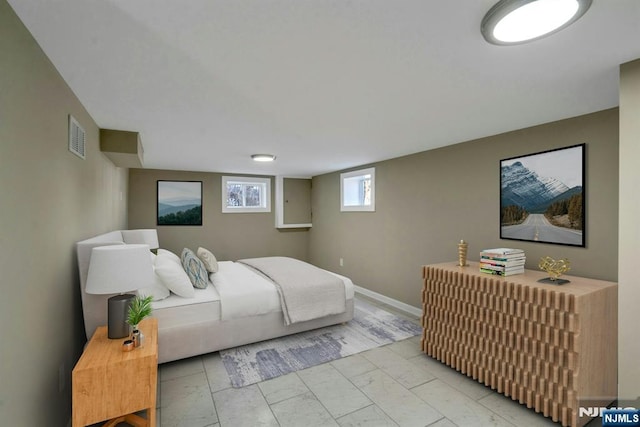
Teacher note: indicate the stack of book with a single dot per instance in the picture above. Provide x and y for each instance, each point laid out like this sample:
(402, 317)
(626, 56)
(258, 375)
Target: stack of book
(502, 261)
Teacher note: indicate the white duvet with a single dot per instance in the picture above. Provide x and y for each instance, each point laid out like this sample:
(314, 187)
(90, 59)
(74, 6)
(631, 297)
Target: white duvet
(243, 293)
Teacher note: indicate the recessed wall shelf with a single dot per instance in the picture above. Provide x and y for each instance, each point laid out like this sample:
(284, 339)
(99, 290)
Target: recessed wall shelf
(293, 202)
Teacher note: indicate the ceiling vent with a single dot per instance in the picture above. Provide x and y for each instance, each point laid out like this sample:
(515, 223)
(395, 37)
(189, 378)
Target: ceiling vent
(76, 138)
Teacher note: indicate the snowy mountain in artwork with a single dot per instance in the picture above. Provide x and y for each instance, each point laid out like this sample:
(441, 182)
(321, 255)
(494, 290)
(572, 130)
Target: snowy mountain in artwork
(523, 187)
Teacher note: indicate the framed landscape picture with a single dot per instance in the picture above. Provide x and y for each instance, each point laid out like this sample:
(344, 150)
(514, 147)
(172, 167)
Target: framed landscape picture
(542, 197)
(179, 203)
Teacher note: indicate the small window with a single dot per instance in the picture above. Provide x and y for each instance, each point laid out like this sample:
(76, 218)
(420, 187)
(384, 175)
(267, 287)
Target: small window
(246, 194)
(358, 190)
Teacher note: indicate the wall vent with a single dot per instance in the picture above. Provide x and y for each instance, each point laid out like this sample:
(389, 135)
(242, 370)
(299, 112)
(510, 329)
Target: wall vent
(76, 138)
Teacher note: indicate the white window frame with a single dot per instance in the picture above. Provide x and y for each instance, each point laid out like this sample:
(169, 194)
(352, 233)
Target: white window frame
(347, 182)
(266, 195)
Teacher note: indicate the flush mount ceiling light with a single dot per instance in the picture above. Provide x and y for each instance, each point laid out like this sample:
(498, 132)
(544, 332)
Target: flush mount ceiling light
(263, 157)
(519, 21)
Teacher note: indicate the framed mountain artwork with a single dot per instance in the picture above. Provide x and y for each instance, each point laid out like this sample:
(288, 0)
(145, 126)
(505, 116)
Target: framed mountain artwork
(179, 203)
(542, 197)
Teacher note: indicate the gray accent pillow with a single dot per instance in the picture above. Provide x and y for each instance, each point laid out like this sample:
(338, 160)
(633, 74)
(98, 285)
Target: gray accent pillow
(195, 269)
(208, 259)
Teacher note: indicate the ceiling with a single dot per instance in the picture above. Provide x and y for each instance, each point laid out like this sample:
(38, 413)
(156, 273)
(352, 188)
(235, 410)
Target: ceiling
(322, 84)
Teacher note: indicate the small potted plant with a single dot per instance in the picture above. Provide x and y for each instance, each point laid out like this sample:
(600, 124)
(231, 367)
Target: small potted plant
(138, 310)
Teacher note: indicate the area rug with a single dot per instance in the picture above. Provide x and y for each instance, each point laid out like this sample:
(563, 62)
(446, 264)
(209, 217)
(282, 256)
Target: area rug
(371, 327)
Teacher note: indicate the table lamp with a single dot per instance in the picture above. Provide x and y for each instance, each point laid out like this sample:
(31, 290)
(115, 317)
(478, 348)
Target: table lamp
(115, 270)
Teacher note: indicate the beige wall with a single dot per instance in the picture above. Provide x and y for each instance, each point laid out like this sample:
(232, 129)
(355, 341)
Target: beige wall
(228, 236)
(629, 241)
(49, 199)
(427, 202)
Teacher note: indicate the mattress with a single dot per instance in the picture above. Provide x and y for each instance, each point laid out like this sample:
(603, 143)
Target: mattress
(178, 311)
(233, 292)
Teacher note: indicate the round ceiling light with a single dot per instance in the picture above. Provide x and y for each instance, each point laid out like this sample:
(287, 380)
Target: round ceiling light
(519, 21)
(263, 157)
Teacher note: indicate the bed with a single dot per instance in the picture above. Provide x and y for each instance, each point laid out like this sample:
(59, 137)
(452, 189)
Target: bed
(237, 306)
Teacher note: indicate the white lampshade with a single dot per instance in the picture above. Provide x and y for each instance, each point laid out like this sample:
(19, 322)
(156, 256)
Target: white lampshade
(119, 268)
(144, 236)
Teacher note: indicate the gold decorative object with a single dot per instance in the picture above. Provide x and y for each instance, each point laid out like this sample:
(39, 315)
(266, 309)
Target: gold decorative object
(555, 268)
(462, 253)
(128, 345)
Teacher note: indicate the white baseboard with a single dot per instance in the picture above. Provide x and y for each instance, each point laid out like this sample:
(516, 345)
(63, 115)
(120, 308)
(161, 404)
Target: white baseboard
(389, 301)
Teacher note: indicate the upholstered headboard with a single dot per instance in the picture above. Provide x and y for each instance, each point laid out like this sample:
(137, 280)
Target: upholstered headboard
(94, 307)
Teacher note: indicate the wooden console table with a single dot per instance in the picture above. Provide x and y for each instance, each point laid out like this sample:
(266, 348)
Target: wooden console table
(108, 383)
(552, 348)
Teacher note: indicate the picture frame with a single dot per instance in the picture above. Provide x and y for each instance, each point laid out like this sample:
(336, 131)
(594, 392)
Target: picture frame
(542, 197)
(179, 203)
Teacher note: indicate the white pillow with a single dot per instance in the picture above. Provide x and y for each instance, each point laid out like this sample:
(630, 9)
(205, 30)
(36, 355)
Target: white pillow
(164, 252)
(174, 277)
(208, 259)
(157, 289)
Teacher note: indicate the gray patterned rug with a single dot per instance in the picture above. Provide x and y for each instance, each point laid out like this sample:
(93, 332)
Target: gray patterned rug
(371, 327)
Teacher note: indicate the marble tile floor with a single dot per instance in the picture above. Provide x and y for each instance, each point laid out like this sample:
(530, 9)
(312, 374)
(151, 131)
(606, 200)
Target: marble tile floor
(394, 385)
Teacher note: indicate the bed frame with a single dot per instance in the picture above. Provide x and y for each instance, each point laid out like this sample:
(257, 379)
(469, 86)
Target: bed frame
(179, 341)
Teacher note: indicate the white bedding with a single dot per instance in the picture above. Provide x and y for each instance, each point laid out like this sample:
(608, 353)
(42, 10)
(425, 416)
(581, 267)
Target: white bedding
(178, 311)
(242, 292)
(210, 293)
(192, 326)
(306, 291)
(235, 291)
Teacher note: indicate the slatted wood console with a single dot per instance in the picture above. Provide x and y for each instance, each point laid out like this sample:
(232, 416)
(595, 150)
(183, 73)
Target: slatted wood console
(552, 348)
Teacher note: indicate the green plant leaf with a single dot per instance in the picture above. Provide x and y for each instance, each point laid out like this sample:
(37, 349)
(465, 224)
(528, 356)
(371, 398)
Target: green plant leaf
(139, 309)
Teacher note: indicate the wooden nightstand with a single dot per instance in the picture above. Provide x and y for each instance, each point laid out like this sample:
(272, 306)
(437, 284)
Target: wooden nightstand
(109, 384)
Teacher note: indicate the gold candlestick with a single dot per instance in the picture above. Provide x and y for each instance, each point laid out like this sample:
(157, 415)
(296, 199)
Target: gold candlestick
(462, 253)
